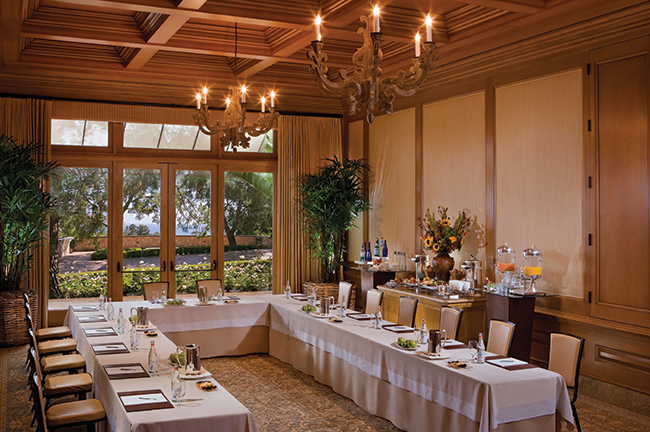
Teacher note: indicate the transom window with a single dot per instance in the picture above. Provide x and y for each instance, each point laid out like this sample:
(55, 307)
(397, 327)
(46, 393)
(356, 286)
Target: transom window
(80, 133)
(164, 136)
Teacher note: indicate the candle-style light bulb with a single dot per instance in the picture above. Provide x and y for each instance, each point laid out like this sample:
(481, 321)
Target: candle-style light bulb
(375, 12)
(243, 94)
(227, 102)
(205, 95)
(272, 99)
(318, 22)
(198, 101)
(263, 101)
(429, 23)
(417, 44)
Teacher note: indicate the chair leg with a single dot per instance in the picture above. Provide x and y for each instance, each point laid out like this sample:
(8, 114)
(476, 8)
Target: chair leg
(91, 427)
(575, 417)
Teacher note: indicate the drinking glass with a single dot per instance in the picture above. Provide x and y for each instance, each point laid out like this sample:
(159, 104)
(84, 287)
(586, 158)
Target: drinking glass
(473, 349)
(135, 339)
(182, 392)
(155, 298)
(417, 335)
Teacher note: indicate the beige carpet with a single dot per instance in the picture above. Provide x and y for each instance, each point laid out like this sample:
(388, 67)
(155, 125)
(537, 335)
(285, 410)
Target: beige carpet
(283, 399)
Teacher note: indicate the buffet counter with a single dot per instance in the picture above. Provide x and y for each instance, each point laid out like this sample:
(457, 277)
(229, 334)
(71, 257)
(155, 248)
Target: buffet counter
(474, 308)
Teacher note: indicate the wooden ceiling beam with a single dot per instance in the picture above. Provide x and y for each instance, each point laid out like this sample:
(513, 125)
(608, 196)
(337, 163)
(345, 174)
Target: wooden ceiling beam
(10, 19)
(520, 6)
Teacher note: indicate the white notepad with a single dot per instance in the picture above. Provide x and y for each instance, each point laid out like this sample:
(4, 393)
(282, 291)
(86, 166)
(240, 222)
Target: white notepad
(507, 362)
(143, 399)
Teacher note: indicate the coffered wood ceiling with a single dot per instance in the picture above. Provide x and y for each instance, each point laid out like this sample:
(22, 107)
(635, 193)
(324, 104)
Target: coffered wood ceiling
(163, 51)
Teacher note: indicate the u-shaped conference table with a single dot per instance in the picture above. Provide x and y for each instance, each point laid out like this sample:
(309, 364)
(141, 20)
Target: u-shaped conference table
(356, 360)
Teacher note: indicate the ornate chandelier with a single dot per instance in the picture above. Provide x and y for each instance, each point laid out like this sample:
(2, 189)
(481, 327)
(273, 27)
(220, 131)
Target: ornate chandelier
(364, 86)
(235, 131)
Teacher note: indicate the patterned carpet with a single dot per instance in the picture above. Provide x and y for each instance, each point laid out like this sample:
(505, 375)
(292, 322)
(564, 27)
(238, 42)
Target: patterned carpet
(283, 399)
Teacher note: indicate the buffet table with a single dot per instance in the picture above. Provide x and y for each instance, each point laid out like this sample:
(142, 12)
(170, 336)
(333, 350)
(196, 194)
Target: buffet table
(203, 411)
(220, 329)
(415, 394)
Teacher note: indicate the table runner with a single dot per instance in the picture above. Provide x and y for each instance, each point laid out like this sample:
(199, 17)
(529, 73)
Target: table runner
(216, 411)
(485, 393)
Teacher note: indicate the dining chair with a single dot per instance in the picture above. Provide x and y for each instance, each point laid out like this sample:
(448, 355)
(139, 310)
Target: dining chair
(564, 358)
(45, 333)
(67, 414)
(407, 308)
(345, 289)
(151, 289)
(211, 284)
(500, 337)
(450, 318)
(373, 300)
(52, 346)
(71, 363)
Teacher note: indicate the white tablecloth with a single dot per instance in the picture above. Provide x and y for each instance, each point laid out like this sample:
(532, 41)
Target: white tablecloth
(212, 411)
(485, 394)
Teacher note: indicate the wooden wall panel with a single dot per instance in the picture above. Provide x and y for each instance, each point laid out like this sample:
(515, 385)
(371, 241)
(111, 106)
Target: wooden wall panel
(355, 149)
(392, 180)
(540, 176)
(453, 168)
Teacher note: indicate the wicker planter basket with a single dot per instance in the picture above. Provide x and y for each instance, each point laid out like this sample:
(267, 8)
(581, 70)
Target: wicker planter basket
(327, 290)
(13, 328)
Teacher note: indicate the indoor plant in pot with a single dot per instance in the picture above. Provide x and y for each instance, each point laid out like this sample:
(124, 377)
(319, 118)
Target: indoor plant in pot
(24, 206)
(330, 201)
(442, 236)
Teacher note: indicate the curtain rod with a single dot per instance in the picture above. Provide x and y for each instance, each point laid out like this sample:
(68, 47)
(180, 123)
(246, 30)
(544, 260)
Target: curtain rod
(157, 105)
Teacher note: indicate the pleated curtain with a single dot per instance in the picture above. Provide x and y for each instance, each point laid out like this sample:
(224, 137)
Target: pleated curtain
(303, 144)
(28, 120)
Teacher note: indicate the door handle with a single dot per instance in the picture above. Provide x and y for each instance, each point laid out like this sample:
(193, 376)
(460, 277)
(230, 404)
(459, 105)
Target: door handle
(171, 266)
(119, 267)
(164, 267)
(214, 265)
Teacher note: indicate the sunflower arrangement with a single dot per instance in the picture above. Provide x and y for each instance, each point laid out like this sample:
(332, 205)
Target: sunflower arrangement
(444, 235)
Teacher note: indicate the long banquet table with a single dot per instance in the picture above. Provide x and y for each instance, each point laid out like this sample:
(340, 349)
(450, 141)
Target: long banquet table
(415, 394)
(209, 411)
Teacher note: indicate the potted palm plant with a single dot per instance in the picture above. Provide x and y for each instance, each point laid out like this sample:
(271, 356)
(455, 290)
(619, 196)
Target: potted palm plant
(24, 206)
(330, 201)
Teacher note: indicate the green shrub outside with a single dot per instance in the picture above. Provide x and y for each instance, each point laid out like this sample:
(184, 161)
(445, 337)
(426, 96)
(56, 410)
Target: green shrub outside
(102, 254)
(253, 275)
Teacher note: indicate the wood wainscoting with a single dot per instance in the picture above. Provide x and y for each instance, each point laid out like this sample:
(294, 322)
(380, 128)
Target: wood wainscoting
(614, 352)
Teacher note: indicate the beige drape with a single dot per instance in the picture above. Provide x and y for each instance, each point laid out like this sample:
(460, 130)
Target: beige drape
(303, 143)
(29, 120)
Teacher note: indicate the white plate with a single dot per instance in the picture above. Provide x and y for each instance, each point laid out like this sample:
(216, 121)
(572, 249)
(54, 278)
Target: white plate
(204, 374)
(425, 355)
(396, 345)
(145, 328)
(319, 315)
(204, 304)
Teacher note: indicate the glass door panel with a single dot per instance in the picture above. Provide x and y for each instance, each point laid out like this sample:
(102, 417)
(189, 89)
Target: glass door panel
(192, 229)
(141, 222)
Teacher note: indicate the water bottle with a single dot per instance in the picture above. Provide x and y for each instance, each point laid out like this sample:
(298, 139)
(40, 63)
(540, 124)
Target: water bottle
(135, 338)
(219, 293)
(312, 298)
(362, 252)
(287, 291)
(110, 312)
(378, 320)
(163, 295)
(177, 386)
(424, 333)
(121, 322)
(153, 358)
(101, 299)
(368, 254)
(480, 354)
(384, 252)
(375, 251)
(342, 311)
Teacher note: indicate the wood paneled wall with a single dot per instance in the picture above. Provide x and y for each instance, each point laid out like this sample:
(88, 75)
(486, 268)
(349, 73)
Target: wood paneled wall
(355, 151)
(518, 116)
(540, 176)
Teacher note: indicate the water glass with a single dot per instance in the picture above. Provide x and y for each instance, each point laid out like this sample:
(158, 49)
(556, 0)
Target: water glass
(135, 340)
(473, 349)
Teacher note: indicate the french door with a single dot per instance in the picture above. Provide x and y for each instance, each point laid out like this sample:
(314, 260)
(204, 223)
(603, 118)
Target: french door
(166, 220)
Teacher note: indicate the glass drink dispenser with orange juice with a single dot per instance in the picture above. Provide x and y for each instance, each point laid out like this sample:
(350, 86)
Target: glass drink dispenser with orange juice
(505, 259)
(532, 268)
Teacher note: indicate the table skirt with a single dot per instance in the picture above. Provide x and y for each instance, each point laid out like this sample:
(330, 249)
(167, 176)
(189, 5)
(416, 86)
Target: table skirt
(229, 341)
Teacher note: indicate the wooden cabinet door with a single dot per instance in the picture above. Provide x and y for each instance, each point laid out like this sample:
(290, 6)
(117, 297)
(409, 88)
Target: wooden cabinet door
(620, 109)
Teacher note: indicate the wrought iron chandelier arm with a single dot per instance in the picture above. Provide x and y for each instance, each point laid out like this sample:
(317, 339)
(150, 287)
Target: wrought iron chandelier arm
(319, 68)
(403, 85)
(263, 124)
(202, 120)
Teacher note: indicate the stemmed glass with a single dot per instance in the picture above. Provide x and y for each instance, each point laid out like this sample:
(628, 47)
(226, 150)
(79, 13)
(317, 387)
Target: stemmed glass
(473, 349)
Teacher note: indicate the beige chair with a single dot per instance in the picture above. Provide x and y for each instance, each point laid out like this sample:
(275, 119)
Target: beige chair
(71, 363)
(48, 333)
(500, 337)
(65, 415)
(373, 300)
(407, 308)
(564, 359)
(212, 285)
(151, 289)
(450, 318)
(345, 289)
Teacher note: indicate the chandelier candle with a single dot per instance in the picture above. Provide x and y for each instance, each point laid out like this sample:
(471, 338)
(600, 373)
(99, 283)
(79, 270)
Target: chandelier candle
(429, 23)
(417, 44)
(243, 94)
(198, 101)
(318, 21)
(272, 99)
(205, 95)
(376, 14)
(263, 100)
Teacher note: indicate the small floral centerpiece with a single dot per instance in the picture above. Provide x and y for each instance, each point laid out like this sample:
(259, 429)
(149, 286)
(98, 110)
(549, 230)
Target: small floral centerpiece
(443, 236)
